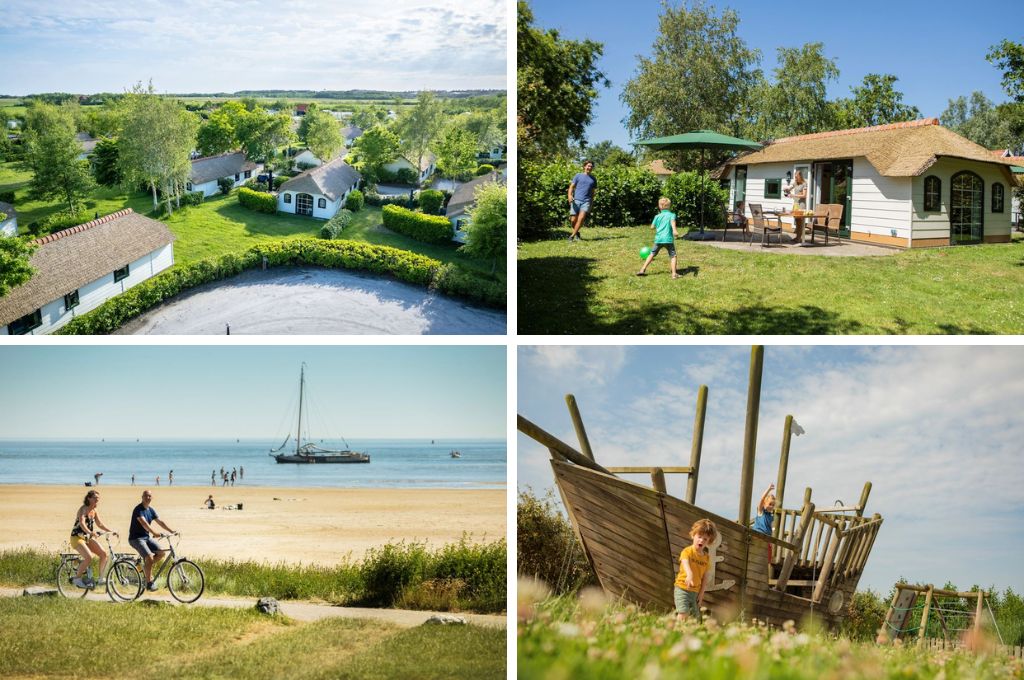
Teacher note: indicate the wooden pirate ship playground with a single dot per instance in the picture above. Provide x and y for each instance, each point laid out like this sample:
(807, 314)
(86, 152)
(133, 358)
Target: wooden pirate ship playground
(632, 534)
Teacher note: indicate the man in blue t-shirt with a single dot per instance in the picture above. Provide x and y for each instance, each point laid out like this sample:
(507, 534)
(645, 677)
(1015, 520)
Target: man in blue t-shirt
(141, 533)
(581, 193)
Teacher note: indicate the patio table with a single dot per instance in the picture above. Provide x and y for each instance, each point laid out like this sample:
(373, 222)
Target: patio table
(798, 221)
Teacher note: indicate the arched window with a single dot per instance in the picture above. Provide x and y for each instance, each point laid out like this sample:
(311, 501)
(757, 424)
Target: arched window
(321, 202)
(287, 198)
(966, 208)
(932, 194)
(997, 198)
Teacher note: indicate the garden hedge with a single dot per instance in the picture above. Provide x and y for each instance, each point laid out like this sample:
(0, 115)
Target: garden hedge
(355, 200)
(334, 226)
(431, 201)
(256, 200)
(403, 265)
(426, 228)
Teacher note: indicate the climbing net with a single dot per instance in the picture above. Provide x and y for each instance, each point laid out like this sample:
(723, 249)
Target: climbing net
(942, 614)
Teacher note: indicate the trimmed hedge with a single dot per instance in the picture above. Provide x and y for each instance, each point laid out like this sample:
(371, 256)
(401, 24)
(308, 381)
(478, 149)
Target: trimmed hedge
(403, 265)
(7, 197)
(380, 200)
(355, 200)
(426, 228)
(334, 226)
(256, 200)
(193, 198)
(431, 201)
(484, 169)
(225, 184)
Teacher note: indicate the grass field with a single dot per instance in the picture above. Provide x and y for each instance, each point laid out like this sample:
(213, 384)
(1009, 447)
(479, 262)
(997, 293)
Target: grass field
(590, 638)
(591, 287)
(48, 637)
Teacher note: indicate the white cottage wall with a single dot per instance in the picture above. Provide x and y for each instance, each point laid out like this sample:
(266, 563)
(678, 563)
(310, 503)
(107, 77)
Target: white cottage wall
(932, 228)
(880, 206)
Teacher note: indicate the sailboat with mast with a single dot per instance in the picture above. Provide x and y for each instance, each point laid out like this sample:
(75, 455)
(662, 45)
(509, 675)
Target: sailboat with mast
(310, 453)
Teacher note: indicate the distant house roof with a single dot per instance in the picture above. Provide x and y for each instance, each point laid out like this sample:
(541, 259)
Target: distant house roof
(8, 210)
(894, 150)
(215, 167)
(465, 196)
(350, 132)
(86, 141)
(658, 168)
(332, 179)
(67, 260)
(301, 108)
(428, 160)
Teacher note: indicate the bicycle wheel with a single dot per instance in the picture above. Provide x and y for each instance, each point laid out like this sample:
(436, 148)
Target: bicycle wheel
(186, 581)
(66, 571)
(124, 581)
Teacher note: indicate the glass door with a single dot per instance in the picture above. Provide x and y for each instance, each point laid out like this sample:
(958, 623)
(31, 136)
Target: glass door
(966, 208)
(836, 187)
(740, 187)
(303, 204)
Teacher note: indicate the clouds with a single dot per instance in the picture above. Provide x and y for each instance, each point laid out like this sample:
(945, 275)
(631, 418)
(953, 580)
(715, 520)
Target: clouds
(190, 46)
(933, 428)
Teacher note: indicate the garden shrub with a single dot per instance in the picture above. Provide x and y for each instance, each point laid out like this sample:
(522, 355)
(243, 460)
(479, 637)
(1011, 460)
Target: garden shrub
(257, 200)
(355, 200)
(257, 185)
(426, 228)
(456, 281)
(431, 201)
(7, 197)
(547, 548)
(686, 191)
(279, 180)
(59, 221)
(225, 184)
(335, 225)
(380, 200)
(193, 198)
(406, 176)
(306, 165)
(484, 169)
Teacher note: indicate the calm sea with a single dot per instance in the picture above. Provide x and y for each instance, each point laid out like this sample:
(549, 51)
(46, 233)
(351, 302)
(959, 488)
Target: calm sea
(394, 463)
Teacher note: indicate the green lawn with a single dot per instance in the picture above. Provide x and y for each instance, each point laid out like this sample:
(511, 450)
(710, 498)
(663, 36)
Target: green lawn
(77, 638)
(591, 287)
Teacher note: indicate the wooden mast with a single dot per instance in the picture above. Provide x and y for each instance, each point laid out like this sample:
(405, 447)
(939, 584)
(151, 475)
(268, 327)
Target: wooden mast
(698, 443)
(302, 387)
(750, 433)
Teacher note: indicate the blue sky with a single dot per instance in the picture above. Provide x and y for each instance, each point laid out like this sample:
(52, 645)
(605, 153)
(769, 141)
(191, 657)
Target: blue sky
(935, 429)
(197, 392)
(229, 45)
(936, 49)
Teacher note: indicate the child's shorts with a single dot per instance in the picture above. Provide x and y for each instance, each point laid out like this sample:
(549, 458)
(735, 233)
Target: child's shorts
(670, 247)
(686, 602)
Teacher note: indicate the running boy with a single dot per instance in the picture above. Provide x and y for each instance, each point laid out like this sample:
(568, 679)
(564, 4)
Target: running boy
(664, 233)
(693, 569)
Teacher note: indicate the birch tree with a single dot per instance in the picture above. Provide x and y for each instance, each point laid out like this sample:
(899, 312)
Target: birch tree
(418, 127)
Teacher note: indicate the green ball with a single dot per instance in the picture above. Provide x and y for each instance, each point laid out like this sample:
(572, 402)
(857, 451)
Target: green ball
(644, 253)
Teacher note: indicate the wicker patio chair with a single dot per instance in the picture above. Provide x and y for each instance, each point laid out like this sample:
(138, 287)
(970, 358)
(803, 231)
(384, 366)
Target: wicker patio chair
(767, 225)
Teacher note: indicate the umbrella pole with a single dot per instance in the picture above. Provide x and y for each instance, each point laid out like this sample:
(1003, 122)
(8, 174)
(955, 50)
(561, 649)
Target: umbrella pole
(701, 189)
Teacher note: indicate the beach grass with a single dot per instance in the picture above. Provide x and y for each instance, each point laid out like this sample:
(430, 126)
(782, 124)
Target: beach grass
(460, 576)
(77, 638)
(590, 287)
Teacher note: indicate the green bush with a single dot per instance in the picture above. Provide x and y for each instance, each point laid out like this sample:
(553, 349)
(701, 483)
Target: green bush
(389, 570)
(256, 200)
(59, 221)
(355, 200)
(688, 193)
(484, 169)
(380, 200)
(406, 176)
(7, 197)
(431, 201)
(546, 546)
(457, 281)
(193, 198)
(426, 228)
(334, 226)
(279, 180)
(225, 184)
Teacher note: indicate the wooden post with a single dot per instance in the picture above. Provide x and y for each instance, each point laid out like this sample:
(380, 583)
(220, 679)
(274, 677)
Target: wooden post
(658, 480)
(750, 433)
(924, 615)
(780, 482)
(977, 613)
(552, 442)
(698, 443)
(863, 499)
(790, 561)
(577, 423)
(887, 624)
(826, 566)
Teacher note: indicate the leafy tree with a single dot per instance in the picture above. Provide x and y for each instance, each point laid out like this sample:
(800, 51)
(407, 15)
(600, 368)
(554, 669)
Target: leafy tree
(486, 127)
(487, 234)
(367, 116)
(304, 122)
(456, 151)
(156, 140)
(698, 77)
(418, 127)
(796, 104)
(608, 153)
(260, 134)
(1009, 56)
(217, 134)
(105, 164)
(979, 121)
(15, 269)
(875, 102)
(374, 149)
(556, 82)
(51, 153)
(323, 135)
(102, 121)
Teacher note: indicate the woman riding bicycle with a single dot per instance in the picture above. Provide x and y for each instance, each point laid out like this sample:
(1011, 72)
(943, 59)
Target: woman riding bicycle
(83, 539)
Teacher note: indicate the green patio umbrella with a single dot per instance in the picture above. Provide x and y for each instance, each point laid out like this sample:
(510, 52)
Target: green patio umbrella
(703, 140)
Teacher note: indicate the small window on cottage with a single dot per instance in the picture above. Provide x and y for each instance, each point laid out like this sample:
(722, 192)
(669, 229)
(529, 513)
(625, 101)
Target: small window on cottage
(26, 324)
(321, 203)
(188, 186)
(932, 194)
(773, 188)
(121, 274)
(248, 174)
(236, 176)
(287, 198)
(997, 198)
(71, 300)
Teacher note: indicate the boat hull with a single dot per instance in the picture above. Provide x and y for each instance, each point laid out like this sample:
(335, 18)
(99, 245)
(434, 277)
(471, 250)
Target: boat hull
(633, 535)
(322, 460)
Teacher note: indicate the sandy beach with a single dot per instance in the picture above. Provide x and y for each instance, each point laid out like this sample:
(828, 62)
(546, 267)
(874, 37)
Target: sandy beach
(321, 526)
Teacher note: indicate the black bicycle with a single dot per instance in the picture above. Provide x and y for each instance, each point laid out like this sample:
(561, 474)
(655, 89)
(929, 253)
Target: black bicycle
(185, 580)
(124, 582)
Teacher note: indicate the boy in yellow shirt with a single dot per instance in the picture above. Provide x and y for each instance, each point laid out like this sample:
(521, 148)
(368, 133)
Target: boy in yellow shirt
(693, 569)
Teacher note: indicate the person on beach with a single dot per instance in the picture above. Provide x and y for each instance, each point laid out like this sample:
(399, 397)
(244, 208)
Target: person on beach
(581, 195)
(158, 480)
(133, 479)
(665, 232)
(141, 536)
(170, 478)
(693, 570)
(97, 477)
(210, 505)
(241, 472)
(232, 478)
(83, 540)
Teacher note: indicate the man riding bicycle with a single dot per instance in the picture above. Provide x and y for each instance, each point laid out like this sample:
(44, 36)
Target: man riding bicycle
(141, 536)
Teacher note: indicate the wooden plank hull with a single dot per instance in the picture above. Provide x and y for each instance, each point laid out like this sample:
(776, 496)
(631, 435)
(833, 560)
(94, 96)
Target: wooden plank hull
(633, 534)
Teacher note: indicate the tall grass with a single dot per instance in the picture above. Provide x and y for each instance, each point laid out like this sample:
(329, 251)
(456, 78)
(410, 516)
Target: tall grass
(547, 548)
(459, 576)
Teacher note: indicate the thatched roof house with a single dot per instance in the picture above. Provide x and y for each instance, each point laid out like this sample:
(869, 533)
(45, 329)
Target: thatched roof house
(233, 165)
(464, 199)
(906, 184)
(319, 192)
(79, 268)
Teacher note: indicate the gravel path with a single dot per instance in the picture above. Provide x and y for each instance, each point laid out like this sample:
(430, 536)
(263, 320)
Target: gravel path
(311, 301)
